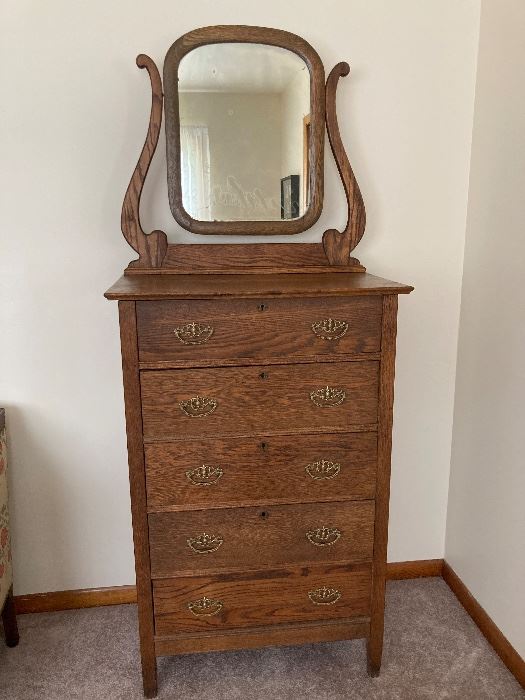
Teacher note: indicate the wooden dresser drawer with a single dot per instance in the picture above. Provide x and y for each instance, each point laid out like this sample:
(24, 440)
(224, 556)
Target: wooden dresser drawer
(259, 399)
(252, 538)
(217, 472)
(263, 328)
(261, 598)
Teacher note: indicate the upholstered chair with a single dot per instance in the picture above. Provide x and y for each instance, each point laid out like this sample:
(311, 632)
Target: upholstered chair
(7, 605)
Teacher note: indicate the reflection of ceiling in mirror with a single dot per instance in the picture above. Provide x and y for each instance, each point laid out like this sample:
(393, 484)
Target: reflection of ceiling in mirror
(238, 68)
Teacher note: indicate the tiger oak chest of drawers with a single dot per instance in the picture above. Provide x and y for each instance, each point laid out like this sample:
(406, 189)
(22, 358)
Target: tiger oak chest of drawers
(259, 414)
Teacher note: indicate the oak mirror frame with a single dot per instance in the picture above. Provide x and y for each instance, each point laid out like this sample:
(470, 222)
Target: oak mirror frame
(315, 144)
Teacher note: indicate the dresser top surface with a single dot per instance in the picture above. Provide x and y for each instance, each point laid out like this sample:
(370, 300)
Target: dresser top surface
(180, 286)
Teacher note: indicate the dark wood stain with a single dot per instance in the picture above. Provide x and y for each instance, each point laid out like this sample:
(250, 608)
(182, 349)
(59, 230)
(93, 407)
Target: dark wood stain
(251, 600)
(11, 634)
(258, 471)
(255, 538)
(386, 403)
(137, 483)
(274, 635)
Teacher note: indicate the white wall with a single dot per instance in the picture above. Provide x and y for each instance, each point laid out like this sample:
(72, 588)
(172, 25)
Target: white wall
(485, 542)
(76, 113)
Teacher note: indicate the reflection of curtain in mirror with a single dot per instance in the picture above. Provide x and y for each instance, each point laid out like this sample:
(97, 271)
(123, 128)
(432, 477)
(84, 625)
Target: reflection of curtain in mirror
(195, 171)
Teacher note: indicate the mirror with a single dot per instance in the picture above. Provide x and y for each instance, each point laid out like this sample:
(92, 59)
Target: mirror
(242, 111)
(244, 133)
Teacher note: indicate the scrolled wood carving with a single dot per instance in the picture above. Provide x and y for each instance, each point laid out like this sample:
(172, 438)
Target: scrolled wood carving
(151, 247)
(339, 244)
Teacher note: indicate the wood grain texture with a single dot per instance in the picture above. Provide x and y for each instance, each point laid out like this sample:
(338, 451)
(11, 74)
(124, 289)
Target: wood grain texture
(75, 599)
(267, 470)
(386, 403)
(251, 400)
(249, 286)
(243, 257)
(495, 637)
(251, 599)
(257, 328)
(255, 538)
(137, 481)
(150, 247)
(277, 635)
(338, 245)
(258, 35)
(9, 620)
(246, 258)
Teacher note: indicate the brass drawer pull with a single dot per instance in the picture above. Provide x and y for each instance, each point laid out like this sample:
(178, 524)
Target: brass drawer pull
(204, 544)
(323, 469)
(328, 397)
(323, 536)
(324, 596)
(205, 607)
(198, 406)
(329, 329)
(205, 475)
(194, 333)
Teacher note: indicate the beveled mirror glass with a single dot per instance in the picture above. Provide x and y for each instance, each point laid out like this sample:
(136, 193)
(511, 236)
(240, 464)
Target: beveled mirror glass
(244, 134)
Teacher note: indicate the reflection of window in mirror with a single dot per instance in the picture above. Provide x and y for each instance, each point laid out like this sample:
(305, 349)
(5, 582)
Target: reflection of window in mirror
(195, 170)
(306, 161)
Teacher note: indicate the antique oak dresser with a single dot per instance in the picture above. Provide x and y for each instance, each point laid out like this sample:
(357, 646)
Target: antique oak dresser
(258, 383)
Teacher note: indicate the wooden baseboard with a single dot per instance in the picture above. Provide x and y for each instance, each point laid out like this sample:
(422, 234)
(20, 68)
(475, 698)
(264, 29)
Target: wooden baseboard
(486, 625)
(122, 595)
(72, 600)
(420, 568)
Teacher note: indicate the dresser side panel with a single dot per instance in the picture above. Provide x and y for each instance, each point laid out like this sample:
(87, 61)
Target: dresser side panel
(137, 481)
(386, 402)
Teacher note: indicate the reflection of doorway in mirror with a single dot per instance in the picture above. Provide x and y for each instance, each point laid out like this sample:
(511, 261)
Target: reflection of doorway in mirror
(290, 198)
(306, 161)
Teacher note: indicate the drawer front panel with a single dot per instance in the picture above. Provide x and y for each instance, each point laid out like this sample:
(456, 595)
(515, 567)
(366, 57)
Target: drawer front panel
(246, 471)
(252, 599)
(244, 400)
(205, 541)
(207, 330)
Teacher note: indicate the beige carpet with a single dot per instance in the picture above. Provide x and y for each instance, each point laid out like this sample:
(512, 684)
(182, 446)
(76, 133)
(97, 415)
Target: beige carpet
(432, 650)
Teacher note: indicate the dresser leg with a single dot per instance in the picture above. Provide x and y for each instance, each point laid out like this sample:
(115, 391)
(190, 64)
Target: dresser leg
(149, 677)
(149, 669)
(147, 650)
(9, 619)
(373, 656)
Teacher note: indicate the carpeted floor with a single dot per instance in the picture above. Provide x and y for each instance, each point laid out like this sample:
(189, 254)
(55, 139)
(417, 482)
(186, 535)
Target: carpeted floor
(432, 650)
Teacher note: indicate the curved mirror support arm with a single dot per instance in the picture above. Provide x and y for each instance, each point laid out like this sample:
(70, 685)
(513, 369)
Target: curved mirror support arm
(339, 244)
(150, 247)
